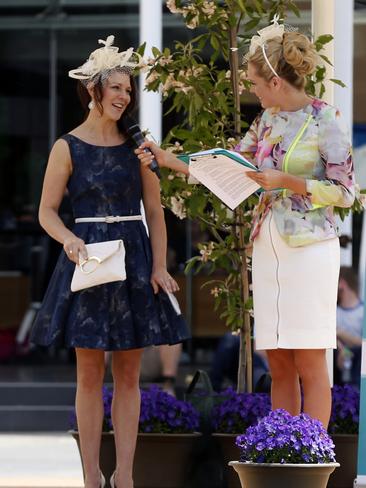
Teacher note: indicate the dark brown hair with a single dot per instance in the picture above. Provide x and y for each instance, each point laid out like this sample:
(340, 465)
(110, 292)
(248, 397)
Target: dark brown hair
(98, 87)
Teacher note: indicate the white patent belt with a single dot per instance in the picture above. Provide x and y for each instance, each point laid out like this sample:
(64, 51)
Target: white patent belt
(109, 219)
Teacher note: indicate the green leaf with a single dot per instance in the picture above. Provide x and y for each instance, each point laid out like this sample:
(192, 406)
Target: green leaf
(324, 39)
(242, 6)
(215, 42)
(320, 73)
(197, 204)
(338, 82)
(249, 26)
(322, 90)
(182, 133)
(190, 265)
(156, 52)
(198, 38)
(310, 87)
(258, 6)
(249, 304)
(294, 9)
(141, 49)
(326, 59)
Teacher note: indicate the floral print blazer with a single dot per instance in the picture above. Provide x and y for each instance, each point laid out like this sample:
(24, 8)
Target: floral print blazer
(322, 155)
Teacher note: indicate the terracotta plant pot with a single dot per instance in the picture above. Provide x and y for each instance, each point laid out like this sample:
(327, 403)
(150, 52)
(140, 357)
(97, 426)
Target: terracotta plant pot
(161, 460)
(267, 475)
(346, 448)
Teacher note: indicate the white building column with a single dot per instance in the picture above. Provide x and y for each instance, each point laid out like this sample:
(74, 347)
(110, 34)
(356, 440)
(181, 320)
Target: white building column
(343, 97)
(151, 32)
(323, 22)
(335, 17)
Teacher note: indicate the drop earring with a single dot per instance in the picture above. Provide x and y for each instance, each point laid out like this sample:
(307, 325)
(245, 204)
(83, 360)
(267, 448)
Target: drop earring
(91, 105)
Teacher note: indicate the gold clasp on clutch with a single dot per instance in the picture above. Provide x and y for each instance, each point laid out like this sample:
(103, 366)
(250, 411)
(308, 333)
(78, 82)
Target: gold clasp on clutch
(89, 261)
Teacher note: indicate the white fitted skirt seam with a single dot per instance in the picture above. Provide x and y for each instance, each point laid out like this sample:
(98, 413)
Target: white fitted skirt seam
(294, 291)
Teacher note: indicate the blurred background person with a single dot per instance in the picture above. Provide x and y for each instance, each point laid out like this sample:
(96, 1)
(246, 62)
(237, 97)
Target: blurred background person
(349, 328)
(224, 368)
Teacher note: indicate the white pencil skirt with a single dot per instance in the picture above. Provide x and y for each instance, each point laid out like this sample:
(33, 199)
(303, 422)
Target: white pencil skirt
(294, 291)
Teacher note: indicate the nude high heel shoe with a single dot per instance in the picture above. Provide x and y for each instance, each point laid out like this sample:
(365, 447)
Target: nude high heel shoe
(111, 481)
(102, 480)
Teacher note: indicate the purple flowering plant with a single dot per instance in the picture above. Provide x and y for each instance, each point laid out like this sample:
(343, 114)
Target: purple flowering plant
(238, 411)
(344, 418)
(107, 418)
(160, 413)
(163, 413)
(281, 438)
(107, 404)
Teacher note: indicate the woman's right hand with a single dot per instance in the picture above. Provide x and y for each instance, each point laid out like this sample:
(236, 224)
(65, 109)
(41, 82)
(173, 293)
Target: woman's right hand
(75, 248)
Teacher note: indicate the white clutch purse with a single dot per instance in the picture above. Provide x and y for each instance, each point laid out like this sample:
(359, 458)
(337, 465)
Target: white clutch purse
(105, 263)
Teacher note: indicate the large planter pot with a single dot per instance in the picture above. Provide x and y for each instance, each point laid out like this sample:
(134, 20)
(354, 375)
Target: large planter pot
(229, 451)
(267, 475)
(161, 460)
(346, 446)
(107, 458)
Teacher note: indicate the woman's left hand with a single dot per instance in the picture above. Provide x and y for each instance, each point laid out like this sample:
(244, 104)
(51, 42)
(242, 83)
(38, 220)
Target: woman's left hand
(268, 179)
(161, 277)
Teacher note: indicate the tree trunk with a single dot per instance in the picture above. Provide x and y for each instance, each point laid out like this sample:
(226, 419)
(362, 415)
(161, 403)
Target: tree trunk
(245, 375)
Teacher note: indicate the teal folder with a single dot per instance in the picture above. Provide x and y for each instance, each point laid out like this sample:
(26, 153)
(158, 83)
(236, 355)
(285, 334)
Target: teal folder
(215, 152)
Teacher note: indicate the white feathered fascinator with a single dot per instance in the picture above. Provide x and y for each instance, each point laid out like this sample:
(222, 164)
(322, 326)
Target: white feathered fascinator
(106, 59)
(270, 32)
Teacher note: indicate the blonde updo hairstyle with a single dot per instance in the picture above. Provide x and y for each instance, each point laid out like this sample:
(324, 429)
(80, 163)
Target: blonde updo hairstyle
(293, 57)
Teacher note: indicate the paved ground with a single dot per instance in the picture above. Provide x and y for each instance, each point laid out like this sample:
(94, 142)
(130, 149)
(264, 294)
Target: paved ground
(39, 461)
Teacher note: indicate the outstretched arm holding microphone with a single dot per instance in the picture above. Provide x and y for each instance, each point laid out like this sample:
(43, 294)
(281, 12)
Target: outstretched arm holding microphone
(267, 178)
(165, 159)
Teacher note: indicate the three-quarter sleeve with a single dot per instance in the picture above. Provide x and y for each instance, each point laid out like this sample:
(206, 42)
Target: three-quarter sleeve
(338, 186)
(249, 143)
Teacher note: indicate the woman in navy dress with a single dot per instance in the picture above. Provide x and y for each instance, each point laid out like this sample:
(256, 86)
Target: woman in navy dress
(96, 163)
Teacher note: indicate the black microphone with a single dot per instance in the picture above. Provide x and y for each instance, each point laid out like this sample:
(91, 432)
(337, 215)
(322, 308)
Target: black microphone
(133, 130)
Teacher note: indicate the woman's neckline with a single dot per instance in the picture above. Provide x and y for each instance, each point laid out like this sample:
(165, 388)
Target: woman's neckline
(95, 145)
(301, 109)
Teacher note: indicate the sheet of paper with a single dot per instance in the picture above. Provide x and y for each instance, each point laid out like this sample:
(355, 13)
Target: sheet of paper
(224, 177)
(174, 303)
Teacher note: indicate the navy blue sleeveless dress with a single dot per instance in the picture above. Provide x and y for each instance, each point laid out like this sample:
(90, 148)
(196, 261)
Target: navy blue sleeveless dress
(114, 316)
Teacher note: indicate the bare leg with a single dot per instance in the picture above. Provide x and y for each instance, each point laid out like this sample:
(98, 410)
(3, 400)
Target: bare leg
(169, 356)
(125, 412)
(311, 365)
(285, 390)
(89, 410)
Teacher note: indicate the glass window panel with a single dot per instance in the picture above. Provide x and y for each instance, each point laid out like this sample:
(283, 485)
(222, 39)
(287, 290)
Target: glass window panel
(24, 123)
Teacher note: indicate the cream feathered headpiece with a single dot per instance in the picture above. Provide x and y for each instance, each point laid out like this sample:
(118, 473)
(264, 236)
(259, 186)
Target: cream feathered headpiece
(106, 59)
(270, 32)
